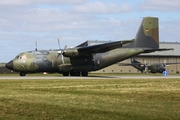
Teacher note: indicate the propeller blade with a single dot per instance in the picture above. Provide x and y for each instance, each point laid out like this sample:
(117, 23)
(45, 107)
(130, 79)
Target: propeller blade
(62, 58)
(145, 62)
(59, 43)
(164, 64)
(60, 52)
(145, 66)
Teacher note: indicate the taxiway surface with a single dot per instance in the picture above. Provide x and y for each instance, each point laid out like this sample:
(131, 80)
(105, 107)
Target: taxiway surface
(90, 77)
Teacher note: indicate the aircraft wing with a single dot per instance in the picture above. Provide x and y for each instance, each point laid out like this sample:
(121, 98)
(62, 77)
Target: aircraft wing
(172, 63)
(149, 50)
(103, 47)
(131, 64)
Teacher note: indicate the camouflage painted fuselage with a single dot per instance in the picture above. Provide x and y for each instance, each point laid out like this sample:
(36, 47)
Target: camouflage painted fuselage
(156, 68)
(50, 61)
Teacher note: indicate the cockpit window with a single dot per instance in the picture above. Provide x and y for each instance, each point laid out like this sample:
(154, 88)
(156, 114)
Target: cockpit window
(21, 57)
(17, 57)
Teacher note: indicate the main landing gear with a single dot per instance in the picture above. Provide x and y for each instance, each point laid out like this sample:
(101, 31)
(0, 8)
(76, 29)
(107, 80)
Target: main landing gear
(73, 73)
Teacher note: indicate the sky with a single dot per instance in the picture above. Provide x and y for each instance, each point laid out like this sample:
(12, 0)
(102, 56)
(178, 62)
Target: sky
(22, 22)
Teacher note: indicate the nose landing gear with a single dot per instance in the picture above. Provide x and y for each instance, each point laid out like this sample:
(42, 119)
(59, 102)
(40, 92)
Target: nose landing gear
(22, 74)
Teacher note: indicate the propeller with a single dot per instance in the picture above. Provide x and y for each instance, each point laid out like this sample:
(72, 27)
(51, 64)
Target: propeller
(164, 64)
(61, 51)
(145, 66)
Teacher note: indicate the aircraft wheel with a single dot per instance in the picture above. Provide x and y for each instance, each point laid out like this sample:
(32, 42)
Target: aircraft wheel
(22, 74)
(84, 73)
(66, 74)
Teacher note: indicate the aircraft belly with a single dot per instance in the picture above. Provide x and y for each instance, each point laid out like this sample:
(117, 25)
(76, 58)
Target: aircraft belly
(68, 68)
(81, 61)
(85, 63)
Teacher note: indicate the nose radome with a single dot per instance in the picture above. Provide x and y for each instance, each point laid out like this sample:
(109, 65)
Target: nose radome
(9, 65)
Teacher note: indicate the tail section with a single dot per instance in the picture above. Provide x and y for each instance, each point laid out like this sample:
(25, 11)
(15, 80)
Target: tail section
(148, 34)
(136, 64)
(133, 61)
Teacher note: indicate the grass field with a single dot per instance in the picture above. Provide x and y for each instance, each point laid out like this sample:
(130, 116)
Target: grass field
(108, 99)
(95, 74)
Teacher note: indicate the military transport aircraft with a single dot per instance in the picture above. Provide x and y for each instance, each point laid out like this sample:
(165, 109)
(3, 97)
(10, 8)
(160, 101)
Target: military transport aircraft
(83, 59)
(144, 67)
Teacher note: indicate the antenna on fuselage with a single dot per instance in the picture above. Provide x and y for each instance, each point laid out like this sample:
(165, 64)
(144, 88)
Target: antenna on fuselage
(59, 43)
(36, 45)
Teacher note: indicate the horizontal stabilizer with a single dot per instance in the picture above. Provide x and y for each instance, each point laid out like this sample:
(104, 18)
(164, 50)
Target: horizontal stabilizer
(172, 63)
(124, 64)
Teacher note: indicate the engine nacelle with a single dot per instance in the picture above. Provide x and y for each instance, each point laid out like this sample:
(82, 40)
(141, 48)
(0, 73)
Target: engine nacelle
(71, 52)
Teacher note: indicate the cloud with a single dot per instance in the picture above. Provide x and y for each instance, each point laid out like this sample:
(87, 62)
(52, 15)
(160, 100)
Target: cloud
(160, 5)
(32, 2)
(101, 8)
(14, 2)
(169, 30)
(43, 20)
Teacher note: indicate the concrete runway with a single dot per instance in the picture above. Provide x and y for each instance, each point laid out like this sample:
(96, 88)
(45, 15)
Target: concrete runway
(90, 77)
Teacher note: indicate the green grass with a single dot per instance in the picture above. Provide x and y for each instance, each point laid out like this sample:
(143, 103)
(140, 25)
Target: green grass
(108, 99)
(95, 74)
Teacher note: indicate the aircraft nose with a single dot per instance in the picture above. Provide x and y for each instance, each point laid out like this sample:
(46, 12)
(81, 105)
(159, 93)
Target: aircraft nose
(9, 65)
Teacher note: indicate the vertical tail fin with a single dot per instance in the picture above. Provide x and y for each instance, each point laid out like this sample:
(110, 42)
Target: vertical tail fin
(133, 61)
(136, 64)
(148, 34)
